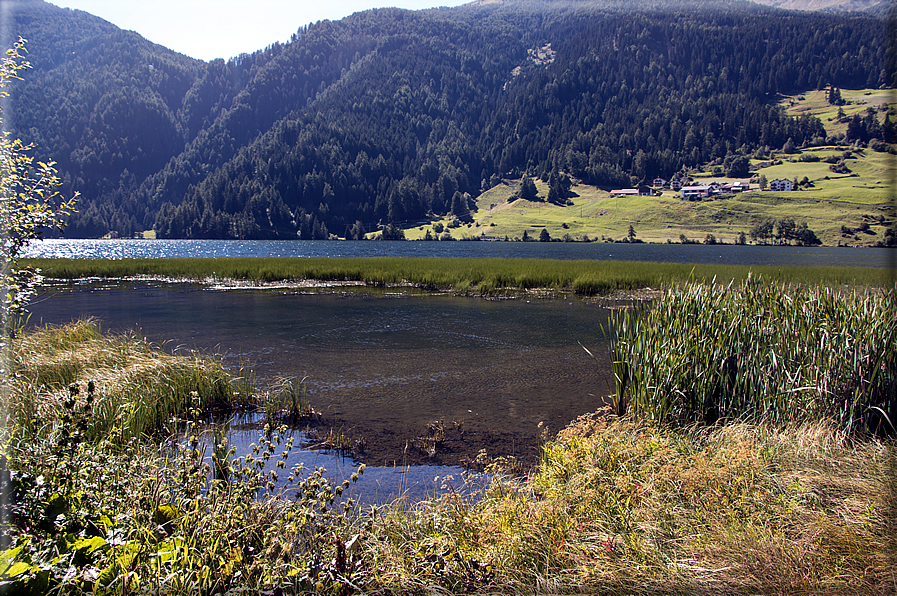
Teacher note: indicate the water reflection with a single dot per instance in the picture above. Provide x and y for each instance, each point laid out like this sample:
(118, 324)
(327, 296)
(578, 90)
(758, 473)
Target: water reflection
(377, 485)
(729, 254)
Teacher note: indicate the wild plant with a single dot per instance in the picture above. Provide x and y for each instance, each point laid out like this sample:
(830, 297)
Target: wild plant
(91, 517)
(287, 400)
(98, 505)
(761, 351)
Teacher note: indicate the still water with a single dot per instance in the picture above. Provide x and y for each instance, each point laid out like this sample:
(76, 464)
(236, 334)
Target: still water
(387, 368)
(675, 253)
(376, 485)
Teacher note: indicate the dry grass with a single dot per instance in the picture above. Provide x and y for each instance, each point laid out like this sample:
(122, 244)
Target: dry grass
(620, 506)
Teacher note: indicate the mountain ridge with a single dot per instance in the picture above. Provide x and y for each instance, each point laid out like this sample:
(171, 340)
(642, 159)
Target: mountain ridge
(396, 116)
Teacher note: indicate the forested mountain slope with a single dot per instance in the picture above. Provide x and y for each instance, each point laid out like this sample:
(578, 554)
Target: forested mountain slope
(392, 115)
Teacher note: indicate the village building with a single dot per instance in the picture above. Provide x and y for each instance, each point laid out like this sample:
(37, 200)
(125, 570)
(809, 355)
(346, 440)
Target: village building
(781, 185)
(624, 192)
(691, 193)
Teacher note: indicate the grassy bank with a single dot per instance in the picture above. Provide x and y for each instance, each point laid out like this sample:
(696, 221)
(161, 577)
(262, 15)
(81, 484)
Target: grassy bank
(468, 276)
(627, 505)
(131, 388)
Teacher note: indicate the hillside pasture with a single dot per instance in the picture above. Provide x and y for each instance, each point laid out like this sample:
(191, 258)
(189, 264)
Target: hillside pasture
(857, 101)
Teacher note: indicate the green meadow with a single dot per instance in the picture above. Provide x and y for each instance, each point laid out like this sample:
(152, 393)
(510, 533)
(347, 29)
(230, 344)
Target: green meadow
(862, 196)
(833, 200)
(857, 101)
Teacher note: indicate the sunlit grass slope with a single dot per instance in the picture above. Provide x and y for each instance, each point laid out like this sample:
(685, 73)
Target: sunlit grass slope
(815, 103)
(834, 200)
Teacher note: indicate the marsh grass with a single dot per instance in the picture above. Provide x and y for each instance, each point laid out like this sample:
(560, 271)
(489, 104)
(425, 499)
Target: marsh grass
(137, 388)
(464, 276)
(760, 351)
(287, 401)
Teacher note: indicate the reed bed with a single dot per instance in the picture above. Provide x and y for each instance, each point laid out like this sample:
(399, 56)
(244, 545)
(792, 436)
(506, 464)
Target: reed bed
(466, 276)
(758, 350)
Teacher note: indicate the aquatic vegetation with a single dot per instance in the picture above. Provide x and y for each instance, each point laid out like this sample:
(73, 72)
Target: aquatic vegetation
(758, 350)
(334, 439)
(483, 277)
(287, 401)
(113, 520)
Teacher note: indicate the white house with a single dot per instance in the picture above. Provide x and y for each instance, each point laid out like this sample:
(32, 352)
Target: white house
(781, 185)
(690, 193)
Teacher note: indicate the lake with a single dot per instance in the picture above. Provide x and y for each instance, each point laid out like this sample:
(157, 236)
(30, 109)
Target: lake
(675, 253)
(389, 368)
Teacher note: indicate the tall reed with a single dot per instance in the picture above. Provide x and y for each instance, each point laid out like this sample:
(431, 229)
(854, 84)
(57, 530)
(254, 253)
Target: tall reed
(759, 350)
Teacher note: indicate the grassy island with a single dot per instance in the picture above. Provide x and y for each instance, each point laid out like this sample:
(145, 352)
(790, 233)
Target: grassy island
(482, 277)
(717, 478)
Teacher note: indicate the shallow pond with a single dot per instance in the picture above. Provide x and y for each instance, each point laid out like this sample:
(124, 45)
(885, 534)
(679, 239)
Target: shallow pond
(376, 485)
(393, 370)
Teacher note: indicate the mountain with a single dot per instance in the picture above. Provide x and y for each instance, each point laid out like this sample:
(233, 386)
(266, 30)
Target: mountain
(391, 116)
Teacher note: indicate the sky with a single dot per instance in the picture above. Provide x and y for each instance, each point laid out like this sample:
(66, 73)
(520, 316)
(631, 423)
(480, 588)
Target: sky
(209, 29)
